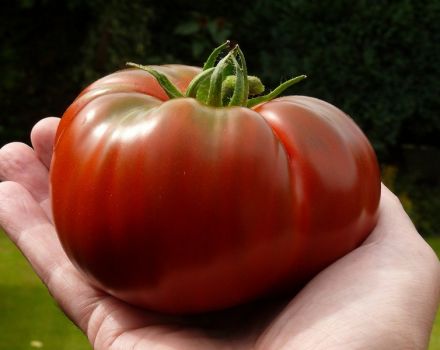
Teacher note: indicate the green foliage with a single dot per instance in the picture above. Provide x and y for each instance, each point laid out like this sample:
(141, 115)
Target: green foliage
(419, 193)
(376, 60)
(203, 32)
(36, 61)
(119, 33)
(434, 242)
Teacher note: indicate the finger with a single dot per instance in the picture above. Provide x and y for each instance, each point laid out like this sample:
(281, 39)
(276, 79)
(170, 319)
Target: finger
(29, 228)
(393, 222)
(393, 279)
(42, 138)
(398, 239)
(18, 163)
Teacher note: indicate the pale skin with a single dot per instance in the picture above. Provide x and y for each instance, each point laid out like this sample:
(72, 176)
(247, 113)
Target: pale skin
(383, 295)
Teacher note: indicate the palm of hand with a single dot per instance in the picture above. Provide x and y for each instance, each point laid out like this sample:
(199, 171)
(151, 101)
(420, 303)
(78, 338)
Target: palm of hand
(361, 301)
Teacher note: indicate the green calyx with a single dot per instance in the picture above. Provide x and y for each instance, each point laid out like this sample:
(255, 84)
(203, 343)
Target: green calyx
(223, 83)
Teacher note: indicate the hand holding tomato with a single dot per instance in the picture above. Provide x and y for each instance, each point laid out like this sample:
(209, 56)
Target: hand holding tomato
(382, 295)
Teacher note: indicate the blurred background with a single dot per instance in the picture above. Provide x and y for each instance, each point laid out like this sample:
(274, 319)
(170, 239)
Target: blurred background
(376, 60)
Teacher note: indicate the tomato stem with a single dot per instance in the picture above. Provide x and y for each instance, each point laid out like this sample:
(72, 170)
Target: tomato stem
(215, 88)
(222, 84)
(167, 85)
(271, 95)
(240, 85)
(210, 62)
(191, 91)
(256, 87)
(245, 94)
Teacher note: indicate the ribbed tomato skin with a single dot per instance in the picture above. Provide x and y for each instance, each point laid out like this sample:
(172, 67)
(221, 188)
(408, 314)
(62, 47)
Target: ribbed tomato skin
(179, 207)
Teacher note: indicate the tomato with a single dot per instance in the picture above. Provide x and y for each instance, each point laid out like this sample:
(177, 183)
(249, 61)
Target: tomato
(178, 206)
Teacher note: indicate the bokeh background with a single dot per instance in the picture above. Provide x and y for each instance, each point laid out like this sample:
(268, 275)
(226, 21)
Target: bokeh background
(377, 60)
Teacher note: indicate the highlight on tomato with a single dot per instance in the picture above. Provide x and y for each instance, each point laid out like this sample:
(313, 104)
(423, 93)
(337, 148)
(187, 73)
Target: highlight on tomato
(183, 189)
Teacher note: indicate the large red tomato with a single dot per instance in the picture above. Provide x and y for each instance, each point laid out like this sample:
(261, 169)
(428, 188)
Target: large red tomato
(178, 206)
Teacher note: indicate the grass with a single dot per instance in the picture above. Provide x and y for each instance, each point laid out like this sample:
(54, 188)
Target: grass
(434, 344)
(29, 318)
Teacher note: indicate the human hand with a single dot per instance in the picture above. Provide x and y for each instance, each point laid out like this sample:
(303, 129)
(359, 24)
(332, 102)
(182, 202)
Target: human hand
(382, 295)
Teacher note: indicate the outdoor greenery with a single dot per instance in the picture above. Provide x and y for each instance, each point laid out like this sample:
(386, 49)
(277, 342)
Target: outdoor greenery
(378, 61)
(435, 335)
(29, 318)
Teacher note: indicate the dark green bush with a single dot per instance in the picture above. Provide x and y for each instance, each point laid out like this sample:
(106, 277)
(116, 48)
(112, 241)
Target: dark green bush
(377, 60)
